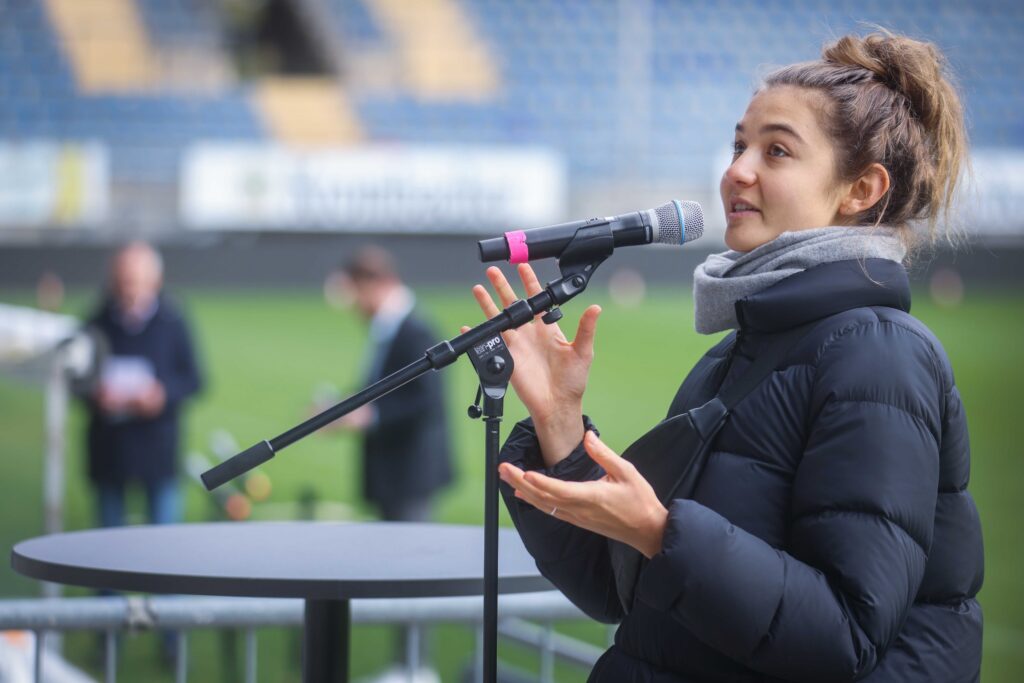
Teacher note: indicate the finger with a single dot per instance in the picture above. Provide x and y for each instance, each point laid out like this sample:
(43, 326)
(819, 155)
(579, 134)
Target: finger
(486, 303)
(513, 476)
(501, 286)
(464, 329)
(556, 491)
(528, 494)
(532, 286)
(526, 485)
(509, 472)
(604, 456)
(527, 489)
(584, 341)
(529, 278)
(543, 492)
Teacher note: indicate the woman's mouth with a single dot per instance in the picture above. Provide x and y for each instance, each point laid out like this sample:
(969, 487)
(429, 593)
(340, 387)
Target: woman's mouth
(739, 209)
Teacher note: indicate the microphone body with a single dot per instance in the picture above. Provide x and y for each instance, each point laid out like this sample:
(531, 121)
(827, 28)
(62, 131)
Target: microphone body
(672, 223)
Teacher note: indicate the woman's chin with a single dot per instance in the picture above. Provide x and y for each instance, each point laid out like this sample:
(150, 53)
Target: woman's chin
(742, 240)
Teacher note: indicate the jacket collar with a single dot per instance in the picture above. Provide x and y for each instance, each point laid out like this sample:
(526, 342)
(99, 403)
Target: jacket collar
(131, 324)
(825, 290)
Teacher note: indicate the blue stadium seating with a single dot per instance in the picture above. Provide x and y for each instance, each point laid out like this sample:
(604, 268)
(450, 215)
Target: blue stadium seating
(146, 133)
(561, 80)
(354, 24)
(181, 21)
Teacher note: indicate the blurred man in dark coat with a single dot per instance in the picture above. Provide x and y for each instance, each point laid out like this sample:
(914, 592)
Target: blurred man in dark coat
(148, 373)
(406, 452)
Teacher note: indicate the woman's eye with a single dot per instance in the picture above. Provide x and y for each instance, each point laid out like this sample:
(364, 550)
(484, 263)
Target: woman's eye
(777, 151)
(737, 148)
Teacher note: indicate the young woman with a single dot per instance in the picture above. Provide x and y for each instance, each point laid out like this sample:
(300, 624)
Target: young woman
(830, 536)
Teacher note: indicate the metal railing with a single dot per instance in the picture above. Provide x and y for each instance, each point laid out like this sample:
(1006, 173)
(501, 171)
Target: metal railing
(181, 614)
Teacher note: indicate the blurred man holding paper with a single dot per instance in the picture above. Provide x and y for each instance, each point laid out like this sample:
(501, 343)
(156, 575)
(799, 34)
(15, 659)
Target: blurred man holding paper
(149, 371)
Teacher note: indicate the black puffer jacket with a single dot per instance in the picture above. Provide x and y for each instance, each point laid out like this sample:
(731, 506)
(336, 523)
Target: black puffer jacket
(830, 537)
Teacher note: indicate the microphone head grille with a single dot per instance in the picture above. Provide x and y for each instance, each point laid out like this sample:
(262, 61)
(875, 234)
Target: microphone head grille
(693, 220)
(679, 222)
(669, 226)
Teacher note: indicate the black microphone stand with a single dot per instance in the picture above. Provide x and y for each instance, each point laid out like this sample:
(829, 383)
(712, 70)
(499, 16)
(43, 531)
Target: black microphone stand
(493, 363)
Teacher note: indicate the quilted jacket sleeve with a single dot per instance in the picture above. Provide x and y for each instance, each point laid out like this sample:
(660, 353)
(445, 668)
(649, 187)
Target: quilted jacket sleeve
(862, 512)
(575, 560)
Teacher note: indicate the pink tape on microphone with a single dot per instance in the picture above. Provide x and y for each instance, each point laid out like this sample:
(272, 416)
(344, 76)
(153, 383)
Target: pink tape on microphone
(518, 251)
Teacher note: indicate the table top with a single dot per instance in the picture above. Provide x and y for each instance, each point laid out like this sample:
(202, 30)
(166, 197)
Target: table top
(312, 560)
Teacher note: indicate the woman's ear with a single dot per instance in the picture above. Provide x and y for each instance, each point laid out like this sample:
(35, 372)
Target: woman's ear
(865, 191)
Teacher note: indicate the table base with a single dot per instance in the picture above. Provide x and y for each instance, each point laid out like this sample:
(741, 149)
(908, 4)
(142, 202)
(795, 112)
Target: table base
(325, 641)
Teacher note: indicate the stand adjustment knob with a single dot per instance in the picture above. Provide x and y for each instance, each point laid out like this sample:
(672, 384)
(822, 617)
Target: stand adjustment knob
(475, 411)
(552, 316)
(496, 364)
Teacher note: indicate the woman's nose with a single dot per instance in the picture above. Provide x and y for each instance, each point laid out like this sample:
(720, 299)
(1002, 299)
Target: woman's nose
(741, 171)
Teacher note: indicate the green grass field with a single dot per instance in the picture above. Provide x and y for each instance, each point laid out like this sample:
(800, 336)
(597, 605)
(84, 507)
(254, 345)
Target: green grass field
(265, 351)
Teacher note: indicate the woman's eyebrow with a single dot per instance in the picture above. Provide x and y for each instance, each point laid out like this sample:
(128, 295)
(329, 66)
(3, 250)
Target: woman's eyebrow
(780, 128)
(774, 128)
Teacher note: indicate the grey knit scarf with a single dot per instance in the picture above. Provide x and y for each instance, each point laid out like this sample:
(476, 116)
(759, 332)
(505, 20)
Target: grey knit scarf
(723, 279)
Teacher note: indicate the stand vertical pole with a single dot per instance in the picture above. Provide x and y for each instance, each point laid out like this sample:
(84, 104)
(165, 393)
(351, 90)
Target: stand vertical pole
(493, 412)
(493, 364)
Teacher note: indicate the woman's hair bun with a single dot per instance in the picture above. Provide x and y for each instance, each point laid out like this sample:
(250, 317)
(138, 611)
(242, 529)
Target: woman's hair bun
(912, 68)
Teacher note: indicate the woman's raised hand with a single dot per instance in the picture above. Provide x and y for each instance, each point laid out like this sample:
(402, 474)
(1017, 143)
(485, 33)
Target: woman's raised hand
(551, 372)
(620, 505)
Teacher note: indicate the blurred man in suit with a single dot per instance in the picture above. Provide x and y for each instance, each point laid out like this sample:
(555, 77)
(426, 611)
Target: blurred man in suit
(405, 447)
(406, 457)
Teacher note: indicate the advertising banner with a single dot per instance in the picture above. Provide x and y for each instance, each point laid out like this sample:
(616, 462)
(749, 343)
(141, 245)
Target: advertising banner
(373, 188)
(46, 184)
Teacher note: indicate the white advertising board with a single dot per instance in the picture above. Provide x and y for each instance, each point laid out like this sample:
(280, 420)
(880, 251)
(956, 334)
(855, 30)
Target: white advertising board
(371, 188)
(46, 184)
(995, 200)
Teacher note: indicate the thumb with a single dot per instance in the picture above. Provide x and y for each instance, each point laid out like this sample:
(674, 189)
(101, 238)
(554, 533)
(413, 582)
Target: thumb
(611, 461)
(464, 329)
(584, 341)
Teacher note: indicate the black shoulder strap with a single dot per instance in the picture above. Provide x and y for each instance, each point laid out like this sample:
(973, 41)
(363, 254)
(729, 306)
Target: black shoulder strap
(763, 366)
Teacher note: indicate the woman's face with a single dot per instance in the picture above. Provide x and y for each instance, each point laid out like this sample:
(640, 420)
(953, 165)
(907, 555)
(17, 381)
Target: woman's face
(782, 173)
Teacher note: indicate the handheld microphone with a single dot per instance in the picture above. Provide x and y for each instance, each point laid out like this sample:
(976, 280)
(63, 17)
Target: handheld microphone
(673, 223)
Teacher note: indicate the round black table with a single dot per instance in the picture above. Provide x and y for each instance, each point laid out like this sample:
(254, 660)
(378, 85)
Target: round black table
(327, 564)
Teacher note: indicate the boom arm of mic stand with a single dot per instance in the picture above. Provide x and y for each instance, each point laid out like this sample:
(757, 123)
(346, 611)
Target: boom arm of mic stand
(516, 315)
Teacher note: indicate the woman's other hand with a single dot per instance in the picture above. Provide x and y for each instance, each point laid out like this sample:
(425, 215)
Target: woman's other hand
(551, 372)
(621, 505)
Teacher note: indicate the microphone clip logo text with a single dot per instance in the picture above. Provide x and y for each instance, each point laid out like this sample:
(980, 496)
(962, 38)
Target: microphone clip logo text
(487, 346)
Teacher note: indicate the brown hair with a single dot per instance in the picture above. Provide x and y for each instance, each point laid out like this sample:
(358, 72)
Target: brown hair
(370, 263)
(891, 100)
